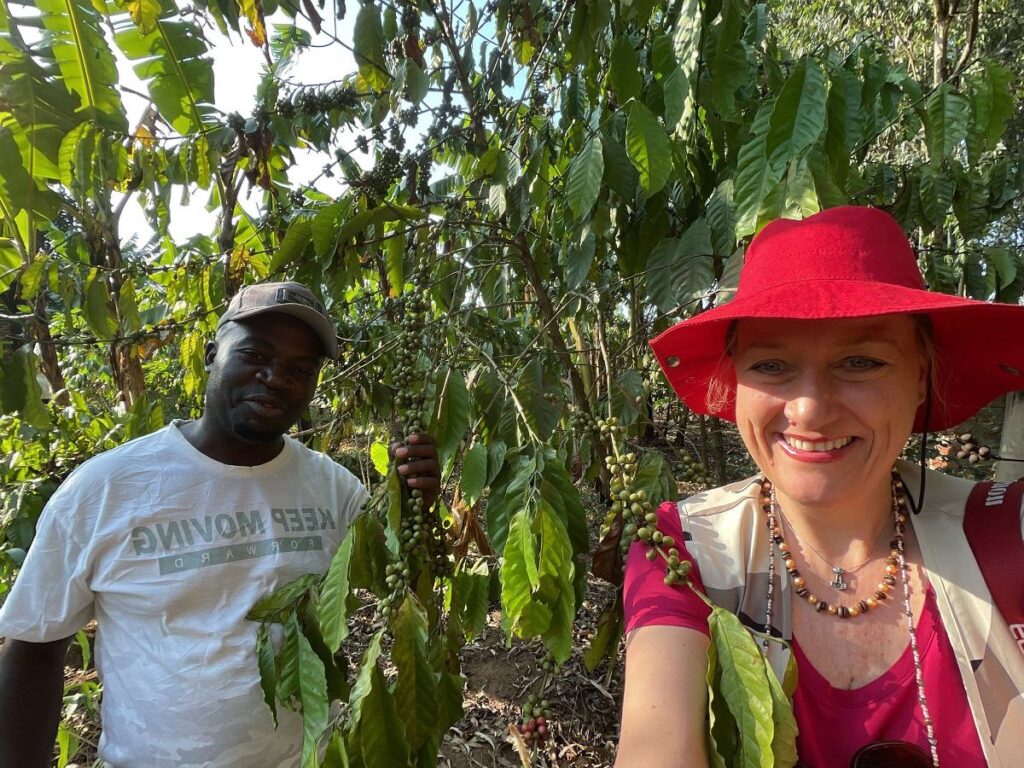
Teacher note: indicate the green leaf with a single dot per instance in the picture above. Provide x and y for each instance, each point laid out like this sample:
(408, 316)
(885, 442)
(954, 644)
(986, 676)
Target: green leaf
(845, 118)
(281, 602)
(395, 254)
(288, 661)
(336, 754)
(470, 588)
(648, 147)
(175, 64)
(534, 392)
(937, 189)
(745, 687)
(1003, 267)
(381, 732)
(686, 44)
(451, 419)
(43, 111)
(298, 236)
(417, 81)
(519, 578)
(370, 554)
(416, 689)
(801, 196)
(619, 173)
(368, 47)
(537, 586)
(332, 609)
(627, 396)
(313, 694)
(730, 71)
(128, 307)
(676, 90)
(581, 257)
(380, 457)
(993, 103)
(509, 491)
(681, 270)
(654, 477)
(474, 473)
(85, 61)
(563, 495)
(624, 70)
(756, 176)
(721, 217)
(21, 391)
(374, 217)
(798, 116)
(584, 178)
(268, 668)
(97, 306)
(945, 123)
(450, 697)
(326, 226)
(364, 677)
(76, 156)
(606, 639)
(32, 278)
(723, 733)
(556, 573)
(785, 728)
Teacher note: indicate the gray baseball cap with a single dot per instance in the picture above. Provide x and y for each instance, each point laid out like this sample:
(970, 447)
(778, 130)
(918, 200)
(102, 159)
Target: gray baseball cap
(289, 298)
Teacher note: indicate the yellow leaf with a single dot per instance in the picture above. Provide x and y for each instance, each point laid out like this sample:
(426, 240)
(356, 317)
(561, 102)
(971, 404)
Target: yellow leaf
(145, 137)
(257, 30)
(145, 14)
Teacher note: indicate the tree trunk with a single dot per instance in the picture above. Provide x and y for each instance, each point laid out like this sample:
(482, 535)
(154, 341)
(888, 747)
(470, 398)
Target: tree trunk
(48, 363)
(940, 42)
(1012, 443)
(719, 448)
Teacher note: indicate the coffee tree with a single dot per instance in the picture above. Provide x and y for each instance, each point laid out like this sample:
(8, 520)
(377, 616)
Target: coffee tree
(531, 190)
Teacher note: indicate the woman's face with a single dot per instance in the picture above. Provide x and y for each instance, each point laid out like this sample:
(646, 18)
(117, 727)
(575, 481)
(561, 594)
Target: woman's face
(826, 406)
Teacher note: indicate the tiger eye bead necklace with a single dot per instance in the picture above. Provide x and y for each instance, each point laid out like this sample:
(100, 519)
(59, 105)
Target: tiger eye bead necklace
(895, 563)
(885, 586)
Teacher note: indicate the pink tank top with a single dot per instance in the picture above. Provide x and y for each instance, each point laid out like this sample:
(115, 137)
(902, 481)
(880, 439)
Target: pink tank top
(834, 723)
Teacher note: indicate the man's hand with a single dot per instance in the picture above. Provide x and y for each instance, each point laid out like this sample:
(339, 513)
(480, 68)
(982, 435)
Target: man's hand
(418, 465)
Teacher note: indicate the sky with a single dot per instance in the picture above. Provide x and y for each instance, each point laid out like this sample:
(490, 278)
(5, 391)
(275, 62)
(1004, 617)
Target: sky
(237, 66)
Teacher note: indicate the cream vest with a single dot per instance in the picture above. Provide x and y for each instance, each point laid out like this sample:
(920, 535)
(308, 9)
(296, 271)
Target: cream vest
(726, 534)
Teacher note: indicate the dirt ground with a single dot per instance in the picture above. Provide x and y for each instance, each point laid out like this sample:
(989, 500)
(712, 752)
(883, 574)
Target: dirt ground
(585, 707)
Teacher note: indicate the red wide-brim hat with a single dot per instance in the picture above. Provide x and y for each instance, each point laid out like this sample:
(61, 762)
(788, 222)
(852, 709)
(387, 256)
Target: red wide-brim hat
(850, 262)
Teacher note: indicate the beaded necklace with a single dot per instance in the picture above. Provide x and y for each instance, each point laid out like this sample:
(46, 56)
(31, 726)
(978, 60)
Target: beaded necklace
(895, 563)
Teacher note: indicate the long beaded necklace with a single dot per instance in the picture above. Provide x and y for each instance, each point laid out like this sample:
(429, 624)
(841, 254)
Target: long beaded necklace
(896, 562)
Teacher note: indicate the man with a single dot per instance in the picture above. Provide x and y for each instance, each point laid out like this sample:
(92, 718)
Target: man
(169, 540)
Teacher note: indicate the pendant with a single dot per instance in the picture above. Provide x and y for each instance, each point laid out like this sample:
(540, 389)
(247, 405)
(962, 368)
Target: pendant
(838, 582)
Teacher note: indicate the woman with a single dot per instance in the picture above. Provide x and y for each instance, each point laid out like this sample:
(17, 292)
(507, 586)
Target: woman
(831, 353)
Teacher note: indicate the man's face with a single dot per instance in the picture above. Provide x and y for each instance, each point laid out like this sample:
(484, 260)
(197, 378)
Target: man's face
(263, 374)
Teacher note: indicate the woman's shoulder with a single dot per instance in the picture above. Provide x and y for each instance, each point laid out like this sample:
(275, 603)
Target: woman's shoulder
(943, 493)
(740, 496)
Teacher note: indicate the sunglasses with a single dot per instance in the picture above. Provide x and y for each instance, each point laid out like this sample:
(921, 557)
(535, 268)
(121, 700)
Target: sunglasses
(891, 754)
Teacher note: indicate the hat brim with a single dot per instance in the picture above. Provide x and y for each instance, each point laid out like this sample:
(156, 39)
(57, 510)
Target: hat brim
(317, 322)
(979, 345)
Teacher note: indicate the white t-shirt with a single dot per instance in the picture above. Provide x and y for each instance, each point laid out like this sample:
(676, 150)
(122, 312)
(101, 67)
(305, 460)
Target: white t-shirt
(169, 550)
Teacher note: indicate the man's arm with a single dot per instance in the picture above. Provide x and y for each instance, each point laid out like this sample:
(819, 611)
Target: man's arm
(31, 690)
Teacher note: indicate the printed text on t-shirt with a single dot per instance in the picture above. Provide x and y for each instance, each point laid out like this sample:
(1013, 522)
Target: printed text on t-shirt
(242, 535)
